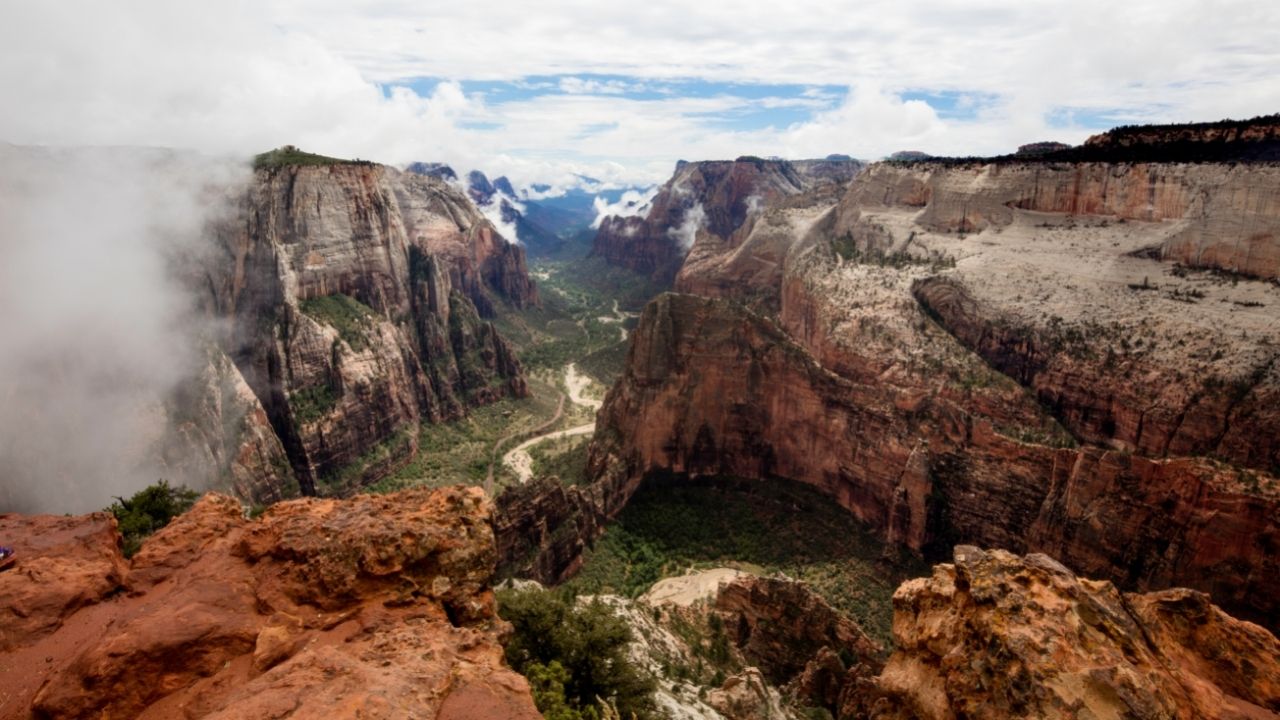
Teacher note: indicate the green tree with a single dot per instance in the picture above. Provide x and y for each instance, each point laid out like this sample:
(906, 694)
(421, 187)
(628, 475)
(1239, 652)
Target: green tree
(150, 509)
(589, 644)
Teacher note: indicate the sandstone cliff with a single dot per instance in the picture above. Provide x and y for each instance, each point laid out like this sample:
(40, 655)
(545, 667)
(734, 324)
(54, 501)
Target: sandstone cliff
(356, 297)
(711, 388)
(371, 607)
(995, 635)
(716, 198)
(999, 353)
(218, 435)
(1051, 281)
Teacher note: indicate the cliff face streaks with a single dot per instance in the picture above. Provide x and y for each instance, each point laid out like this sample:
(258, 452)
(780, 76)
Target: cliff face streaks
(356, 297)
(713, 389)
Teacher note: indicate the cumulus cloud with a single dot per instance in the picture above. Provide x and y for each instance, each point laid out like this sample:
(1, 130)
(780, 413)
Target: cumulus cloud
(98, 327)
(496, 212)
(242, 77)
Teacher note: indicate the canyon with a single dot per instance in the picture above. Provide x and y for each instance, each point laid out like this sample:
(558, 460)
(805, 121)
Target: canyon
(1051, 376)
(1069, 358)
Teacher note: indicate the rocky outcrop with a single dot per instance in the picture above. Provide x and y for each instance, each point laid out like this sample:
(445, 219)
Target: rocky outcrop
(375, 606)
(799, 642)
(747, 696)
(997, 635)
(61, 565)
(542, 529)
(356, 297)
(784, 628)
(716, 198)
(711, 388)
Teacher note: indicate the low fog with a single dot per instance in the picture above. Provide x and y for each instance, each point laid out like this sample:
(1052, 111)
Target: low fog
(97, 329)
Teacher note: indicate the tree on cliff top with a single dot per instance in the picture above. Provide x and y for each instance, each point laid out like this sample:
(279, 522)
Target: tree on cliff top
(150, 509)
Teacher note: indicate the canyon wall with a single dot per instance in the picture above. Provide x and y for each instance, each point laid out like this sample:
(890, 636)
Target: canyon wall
(1077, 358)
(712, 388)
(355, 298)
(715, 198)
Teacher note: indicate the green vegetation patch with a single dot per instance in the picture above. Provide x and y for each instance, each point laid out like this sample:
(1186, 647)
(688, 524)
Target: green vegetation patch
(460, 451)
(311, 404)
(775, 525)
(575, 657)
(347, 315)
(290, 155)
(150, 509)
(567, 328)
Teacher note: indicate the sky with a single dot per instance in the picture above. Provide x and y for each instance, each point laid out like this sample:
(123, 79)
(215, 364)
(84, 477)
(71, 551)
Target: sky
(620, 91)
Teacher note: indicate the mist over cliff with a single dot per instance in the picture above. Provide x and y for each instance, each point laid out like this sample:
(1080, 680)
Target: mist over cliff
(98, 328)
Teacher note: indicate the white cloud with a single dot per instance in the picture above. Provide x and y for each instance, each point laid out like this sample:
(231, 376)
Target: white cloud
(242, 76)
(694, 220)
(630, 204)
(590, 86)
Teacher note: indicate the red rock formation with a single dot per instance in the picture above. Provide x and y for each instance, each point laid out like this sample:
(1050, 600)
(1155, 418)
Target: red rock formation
(62, 564)
(356, 295)
(713, 389)
(719, 198)
(996, 635)
(375, 606)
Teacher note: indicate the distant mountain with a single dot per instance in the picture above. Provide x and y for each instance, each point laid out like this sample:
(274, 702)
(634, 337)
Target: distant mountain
(547, 225)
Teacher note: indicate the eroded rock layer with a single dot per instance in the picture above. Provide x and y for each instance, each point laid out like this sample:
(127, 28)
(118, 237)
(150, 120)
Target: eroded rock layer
(374, 607)
(1224, 216)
